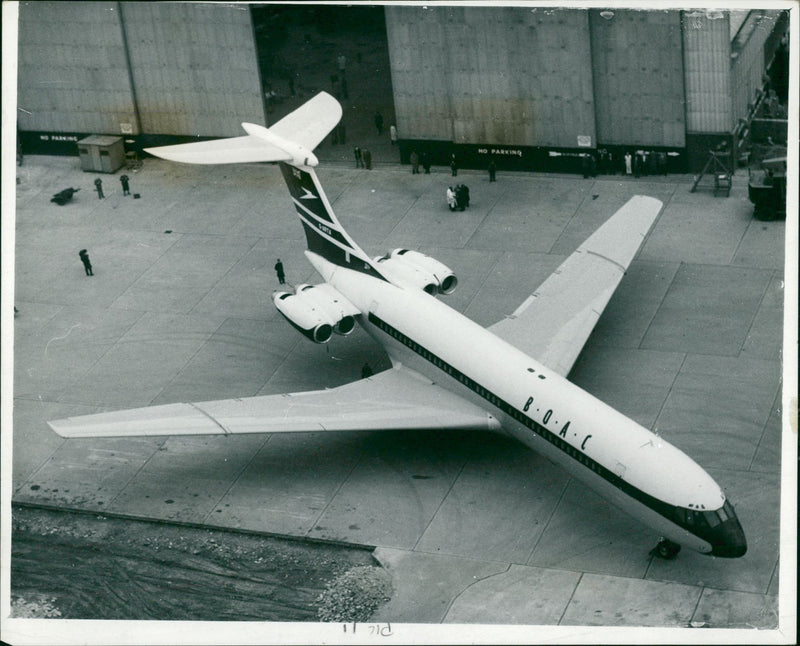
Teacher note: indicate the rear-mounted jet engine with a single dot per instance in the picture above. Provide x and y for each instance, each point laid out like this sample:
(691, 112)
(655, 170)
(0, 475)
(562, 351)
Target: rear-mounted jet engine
(317, 311)
(419, 270)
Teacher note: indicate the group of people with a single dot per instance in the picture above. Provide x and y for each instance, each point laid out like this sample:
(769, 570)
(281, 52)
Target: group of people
(458, 197)
(363, 157)
(641, 162)
(416, 159)
(124, 180)
(83, 254)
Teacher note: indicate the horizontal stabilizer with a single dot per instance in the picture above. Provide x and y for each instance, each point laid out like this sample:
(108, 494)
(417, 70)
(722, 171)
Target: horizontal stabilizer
(291, 139)
(311, 122)
(395, 399)
(235, 150)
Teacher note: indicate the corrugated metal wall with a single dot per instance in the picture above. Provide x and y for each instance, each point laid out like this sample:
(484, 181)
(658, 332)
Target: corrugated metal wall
(72, 71)
(748, 65)
(420, 69)
(505, 75)
(707, 71)
(194, 68)
(638, 77)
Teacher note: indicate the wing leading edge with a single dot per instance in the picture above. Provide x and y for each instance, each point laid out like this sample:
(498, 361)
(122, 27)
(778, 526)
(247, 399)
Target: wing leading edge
(554, 323)
(399, 398)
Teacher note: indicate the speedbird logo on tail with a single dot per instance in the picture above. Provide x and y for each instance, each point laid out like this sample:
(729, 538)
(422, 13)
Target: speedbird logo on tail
(308, 194)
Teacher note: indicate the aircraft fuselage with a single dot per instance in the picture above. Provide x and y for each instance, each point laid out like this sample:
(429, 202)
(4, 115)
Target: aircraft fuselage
(632, 467)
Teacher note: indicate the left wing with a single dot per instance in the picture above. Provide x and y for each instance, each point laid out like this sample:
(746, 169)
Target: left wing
(399, 398)
(554, 322)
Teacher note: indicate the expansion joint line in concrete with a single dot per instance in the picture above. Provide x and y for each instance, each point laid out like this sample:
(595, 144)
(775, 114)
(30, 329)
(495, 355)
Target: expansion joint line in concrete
(655, 312)
(776, 403)
(483, 282)
(489, 213)
(669, 392)
(216, 505)
(441, 502)
(175, 239)
(252, 246)
(188, 360)
(549, 518)
(566, 226)
(135, 475)
(356, 464)
(571, 597)
(405, 215)
(697, 604)
(756, 310)
(99, 358)
(752, 222)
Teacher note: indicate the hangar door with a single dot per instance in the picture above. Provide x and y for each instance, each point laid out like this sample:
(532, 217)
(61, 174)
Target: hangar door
(637, 67)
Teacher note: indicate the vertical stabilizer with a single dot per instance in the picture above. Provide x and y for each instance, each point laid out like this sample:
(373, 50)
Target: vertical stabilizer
(324, 233)
(289, 142)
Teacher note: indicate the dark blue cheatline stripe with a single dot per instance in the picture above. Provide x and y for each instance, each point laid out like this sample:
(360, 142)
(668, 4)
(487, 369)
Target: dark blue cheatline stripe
(325, 230)
(332, 252)
(670, 512)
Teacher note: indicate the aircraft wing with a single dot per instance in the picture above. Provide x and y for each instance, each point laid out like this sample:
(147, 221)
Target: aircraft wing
(398, 398)
(554, 322)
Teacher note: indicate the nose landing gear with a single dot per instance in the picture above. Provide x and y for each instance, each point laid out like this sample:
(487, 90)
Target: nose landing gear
(666, 549)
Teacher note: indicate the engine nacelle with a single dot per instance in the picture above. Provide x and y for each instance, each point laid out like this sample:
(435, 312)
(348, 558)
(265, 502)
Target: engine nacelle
(304, 316)
(421, 270)
(401, 272)
(317, 311)
(329, 300)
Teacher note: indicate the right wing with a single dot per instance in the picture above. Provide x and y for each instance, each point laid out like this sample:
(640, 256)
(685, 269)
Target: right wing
(399, 398)
(554, 323)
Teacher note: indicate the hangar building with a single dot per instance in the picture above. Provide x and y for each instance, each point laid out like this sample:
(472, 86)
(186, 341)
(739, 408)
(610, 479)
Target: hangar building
(534, 88)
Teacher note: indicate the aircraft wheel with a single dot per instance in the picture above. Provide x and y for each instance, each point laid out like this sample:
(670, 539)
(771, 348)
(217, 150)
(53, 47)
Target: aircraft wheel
(666, 549)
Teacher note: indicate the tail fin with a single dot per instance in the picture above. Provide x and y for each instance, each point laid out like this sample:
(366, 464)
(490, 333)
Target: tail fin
(290, 143)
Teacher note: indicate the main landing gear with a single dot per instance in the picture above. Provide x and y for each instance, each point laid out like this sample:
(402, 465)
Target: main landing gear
(666, 549)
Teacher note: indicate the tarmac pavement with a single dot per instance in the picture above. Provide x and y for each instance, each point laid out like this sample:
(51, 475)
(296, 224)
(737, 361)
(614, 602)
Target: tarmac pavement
(474, 528)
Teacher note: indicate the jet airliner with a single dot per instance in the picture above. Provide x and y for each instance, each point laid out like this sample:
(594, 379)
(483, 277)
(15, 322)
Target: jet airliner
(447, 371)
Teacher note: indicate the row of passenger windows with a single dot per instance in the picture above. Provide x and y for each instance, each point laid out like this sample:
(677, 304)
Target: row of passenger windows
(684, 516)
(493, 399)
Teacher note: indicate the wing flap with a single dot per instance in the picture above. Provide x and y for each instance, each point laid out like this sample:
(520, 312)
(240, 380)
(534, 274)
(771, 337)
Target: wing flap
(553, 324)
(395, 399)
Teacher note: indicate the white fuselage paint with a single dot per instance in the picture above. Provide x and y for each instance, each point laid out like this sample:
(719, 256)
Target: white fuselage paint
(638, 456)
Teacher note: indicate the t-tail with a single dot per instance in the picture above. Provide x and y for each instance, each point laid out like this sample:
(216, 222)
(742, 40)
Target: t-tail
(290, 143)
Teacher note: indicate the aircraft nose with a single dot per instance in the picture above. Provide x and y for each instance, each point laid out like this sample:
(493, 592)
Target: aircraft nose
(729, 540)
